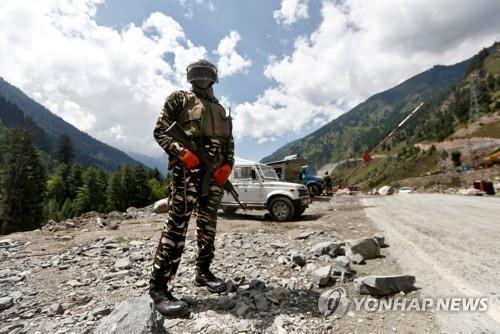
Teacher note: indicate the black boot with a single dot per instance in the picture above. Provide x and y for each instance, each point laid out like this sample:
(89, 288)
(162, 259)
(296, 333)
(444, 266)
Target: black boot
(165, 302)
(213, 284)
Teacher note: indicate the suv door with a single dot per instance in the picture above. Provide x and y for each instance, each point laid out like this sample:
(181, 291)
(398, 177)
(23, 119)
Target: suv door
(248, 184)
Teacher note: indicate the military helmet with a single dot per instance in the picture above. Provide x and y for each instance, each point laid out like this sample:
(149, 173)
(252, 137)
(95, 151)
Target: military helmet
(202, 70)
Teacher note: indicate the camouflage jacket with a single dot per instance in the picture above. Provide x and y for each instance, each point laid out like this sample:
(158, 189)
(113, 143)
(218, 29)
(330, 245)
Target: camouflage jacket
(222, 151)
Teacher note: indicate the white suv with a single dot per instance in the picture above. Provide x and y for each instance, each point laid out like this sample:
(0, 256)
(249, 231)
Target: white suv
(260, 188)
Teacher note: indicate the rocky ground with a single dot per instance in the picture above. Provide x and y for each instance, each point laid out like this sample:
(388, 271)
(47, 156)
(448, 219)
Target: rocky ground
(66, 277)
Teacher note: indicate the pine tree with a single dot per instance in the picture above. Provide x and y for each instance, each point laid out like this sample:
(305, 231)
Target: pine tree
(65, 152)
(141, 190)
(75, 180)
(66, 209)
(114, 192)
(90, 196)
(23, 184)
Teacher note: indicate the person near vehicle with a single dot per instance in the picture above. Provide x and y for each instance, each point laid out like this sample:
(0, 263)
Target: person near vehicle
(328, 184)
(205, 121)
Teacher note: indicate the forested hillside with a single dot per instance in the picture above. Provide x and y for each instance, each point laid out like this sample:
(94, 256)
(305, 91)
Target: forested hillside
(49, 127)
(365, 125)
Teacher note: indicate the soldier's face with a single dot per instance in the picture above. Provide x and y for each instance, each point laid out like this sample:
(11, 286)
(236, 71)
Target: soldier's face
(203, 83)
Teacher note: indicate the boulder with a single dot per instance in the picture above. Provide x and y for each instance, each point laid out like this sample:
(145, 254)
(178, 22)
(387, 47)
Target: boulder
(331, 248)
(384, 285)
(322, 275)
(134, 315)
(342, 264)
(468, 192)
(6, 302)
(386, 190)
(297, 258)
(368, 248)
(123, 263)
(162, 206)
(345, 191)
(380, 238)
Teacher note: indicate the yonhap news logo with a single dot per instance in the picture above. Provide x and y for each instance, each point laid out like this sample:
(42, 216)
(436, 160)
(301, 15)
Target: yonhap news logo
(335, 303)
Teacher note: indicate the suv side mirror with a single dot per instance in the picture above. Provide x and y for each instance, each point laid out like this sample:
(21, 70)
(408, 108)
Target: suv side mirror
(253, 174)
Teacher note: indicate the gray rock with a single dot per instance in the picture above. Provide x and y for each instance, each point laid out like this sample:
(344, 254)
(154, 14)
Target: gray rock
(357, 259)
(123, 263)
(327, 248)
(10, 328)
(384, 285)
(101, 310)
(161, 206)
(5, 273)
(117, 275)
(12, 279)
(257, 284)
(322, 275)
(277, 295)
(56, 308)
(368, 248)
(341, 264)
(136, 243)
(136, 256)
(380, 238)
(297, 258)
(242, 309)
(386, 190)
(278, 244)
(134, 315)
(6, 302)
(260, 302)
(304, 235)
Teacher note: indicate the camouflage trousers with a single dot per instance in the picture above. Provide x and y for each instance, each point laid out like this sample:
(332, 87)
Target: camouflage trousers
(185, 188)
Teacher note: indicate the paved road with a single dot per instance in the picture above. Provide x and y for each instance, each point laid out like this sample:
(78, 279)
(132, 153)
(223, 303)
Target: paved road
(451, 244)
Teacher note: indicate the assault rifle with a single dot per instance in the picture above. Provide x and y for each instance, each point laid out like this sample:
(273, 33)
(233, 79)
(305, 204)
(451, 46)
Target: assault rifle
(178, 134)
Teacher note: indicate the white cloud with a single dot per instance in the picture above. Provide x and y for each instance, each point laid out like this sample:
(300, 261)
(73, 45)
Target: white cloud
(360, 48)
(291, 11)
(189, 6)
(230, 61)
(110, 83)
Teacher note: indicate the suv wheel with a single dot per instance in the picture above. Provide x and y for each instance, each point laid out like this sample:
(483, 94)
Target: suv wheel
(281, 209)
(313, 190)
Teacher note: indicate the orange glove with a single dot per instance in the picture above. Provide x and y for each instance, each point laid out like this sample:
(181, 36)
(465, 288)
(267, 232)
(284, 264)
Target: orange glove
(189, 159)
(221, 174)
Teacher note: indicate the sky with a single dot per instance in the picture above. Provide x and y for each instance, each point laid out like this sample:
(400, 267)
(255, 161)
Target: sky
(286, 67)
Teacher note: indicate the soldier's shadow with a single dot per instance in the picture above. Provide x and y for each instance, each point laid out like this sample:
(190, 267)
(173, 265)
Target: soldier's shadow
(262, 303)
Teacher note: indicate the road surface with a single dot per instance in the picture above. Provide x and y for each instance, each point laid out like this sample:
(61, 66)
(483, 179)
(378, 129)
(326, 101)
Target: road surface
(451, 244)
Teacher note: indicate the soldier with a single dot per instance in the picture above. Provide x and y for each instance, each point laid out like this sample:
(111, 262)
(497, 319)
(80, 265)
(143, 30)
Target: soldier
(205, 120)
(328, 184)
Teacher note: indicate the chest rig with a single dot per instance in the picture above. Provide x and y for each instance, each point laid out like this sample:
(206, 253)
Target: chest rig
(203, 119)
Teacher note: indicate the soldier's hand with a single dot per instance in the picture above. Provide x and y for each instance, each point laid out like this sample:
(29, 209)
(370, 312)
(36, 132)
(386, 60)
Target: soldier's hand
(221, 174)
(189, 159)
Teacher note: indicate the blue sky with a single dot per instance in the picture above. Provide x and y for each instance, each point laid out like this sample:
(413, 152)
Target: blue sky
(262, 37)
(286, 67)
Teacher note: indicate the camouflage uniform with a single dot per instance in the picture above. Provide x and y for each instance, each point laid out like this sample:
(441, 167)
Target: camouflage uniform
(199, 113)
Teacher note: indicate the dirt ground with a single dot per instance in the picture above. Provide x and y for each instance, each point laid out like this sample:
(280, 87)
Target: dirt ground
(243, 248)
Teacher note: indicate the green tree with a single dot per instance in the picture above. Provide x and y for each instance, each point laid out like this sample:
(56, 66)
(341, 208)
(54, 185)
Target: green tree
(90, 196)
(114, 193)
(23, 185)
(66, 209)
(157, 190)
(141, 192)
(75, 180)
(65, 152)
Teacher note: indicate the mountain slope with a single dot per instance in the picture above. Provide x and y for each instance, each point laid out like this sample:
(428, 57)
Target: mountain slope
(89, 151)
(362, 127)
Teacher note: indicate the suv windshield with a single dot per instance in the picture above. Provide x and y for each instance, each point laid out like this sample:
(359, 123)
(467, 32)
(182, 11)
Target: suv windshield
(268, 173)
